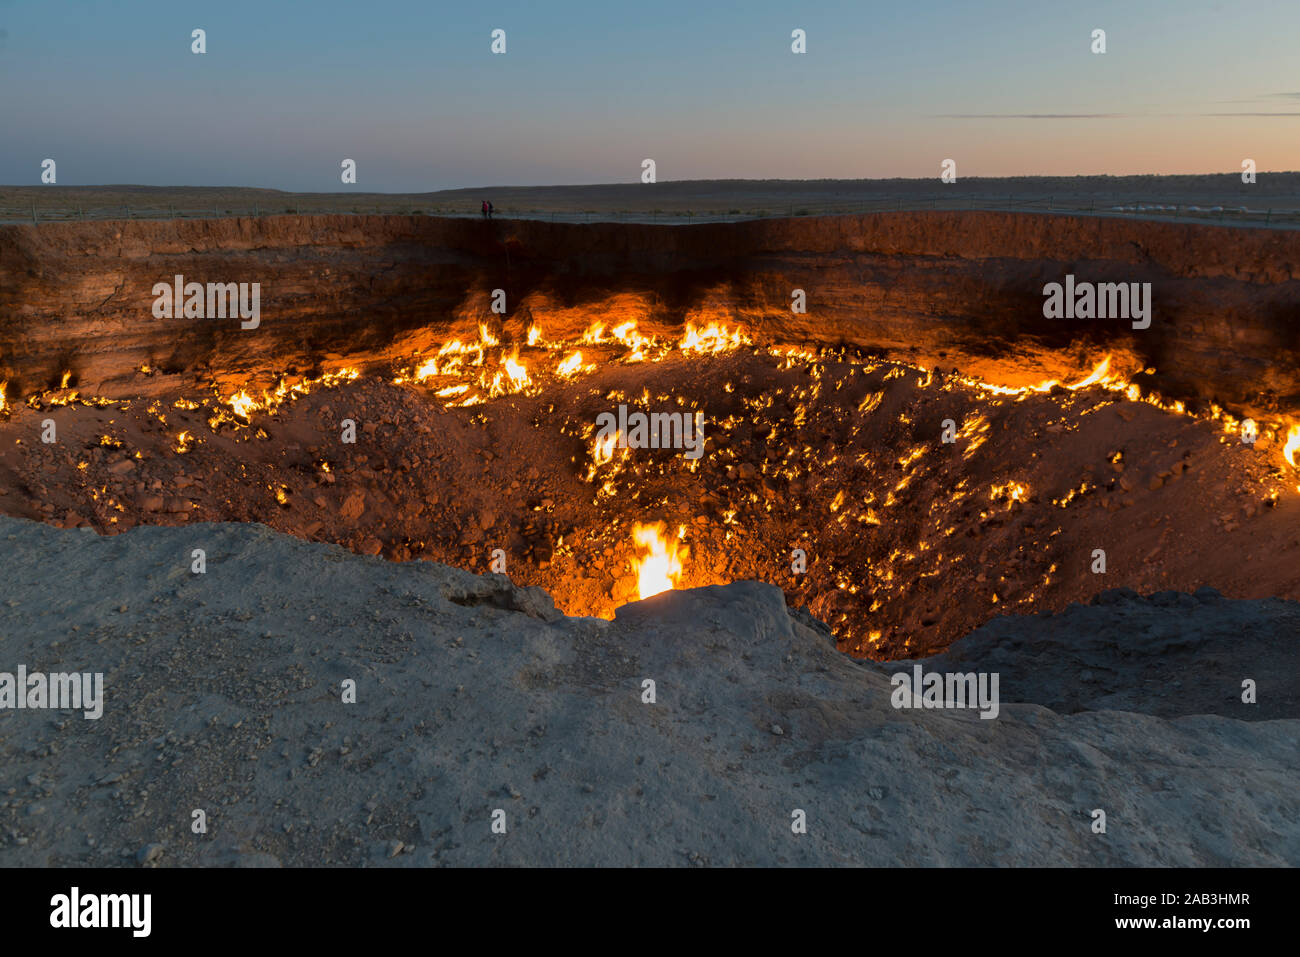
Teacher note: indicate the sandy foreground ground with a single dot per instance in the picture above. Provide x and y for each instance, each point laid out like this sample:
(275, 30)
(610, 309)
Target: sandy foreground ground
(477, 702)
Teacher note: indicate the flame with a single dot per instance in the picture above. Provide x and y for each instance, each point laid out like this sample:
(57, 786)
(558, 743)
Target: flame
(515, 378)
(1012, 491)
(603, 449)
(712, 338)
(626, 333)
(515, 369)
(242, 403)
(486, 337)
(1100, 375)
(659, 568)
(534, 333)
(1292, 448)
(570, 365)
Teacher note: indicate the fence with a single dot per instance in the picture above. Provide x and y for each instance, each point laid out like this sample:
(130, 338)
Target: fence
(1178, 212)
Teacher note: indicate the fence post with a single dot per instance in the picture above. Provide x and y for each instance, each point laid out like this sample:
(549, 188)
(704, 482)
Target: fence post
(34, 219)
(1268, 215)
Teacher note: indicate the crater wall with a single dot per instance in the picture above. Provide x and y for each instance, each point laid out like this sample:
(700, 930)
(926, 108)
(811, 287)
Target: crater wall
(948, 289)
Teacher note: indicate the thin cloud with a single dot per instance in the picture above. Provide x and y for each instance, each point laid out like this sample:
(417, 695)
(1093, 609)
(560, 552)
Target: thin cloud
(1250, 114)
(1032, 116)
(1261, 98)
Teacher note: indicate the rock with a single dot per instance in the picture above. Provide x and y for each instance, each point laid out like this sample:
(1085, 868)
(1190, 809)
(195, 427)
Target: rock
(468, 683)
(353, 506)
(149, 854)
(122, 467)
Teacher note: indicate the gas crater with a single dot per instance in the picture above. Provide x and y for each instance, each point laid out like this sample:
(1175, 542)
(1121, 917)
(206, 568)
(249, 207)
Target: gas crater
(904, 495)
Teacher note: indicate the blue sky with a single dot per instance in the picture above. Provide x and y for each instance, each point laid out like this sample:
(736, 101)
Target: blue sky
(585, 91)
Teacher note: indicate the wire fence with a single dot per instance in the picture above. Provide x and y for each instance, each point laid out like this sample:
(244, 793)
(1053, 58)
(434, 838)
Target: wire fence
(1283, 218)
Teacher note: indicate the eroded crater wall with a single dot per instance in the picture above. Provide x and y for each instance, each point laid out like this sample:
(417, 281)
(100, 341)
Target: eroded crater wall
(953, 289)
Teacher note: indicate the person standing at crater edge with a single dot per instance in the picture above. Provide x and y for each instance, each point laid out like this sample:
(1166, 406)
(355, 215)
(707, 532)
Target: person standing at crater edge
(485, 209)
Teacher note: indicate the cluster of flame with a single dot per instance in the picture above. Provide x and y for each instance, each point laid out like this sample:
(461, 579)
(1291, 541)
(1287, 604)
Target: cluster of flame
(244, 405)
(469, 373)
(482, 376)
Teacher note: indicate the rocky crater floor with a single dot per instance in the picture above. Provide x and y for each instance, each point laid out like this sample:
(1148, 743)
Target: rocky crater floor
(223, 694)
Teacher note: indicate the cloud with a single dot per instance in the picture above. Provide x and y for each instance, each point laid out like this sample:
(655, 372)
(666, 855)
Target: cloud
(1250, 114)
(1032, 116)
(1262, 98)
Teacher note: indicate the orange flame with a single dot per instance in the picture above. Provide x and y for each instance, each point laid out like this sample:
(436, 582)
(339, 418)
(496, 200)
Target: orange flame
(712, 338)
(1100, 375)
(1292, 446)
(570, 365)
(515, 369)
(659, 568)
(602, 451)
(242, 403)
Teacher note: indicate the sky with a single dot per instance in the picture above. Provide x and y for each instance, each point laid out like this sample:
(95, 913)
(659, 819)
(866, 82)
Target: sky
(586, 91)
